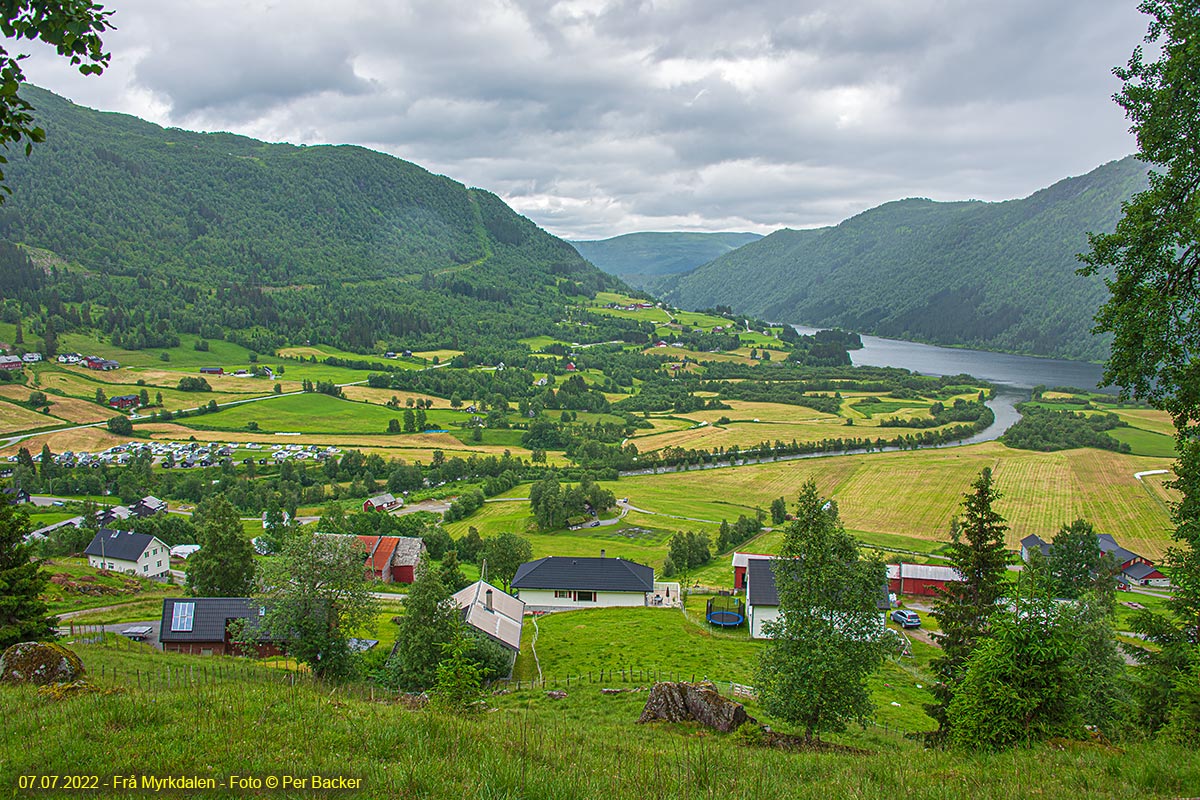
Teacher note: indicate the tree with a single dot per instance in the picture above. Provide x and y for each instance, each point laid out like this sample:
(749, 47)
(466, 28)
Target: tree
(503, 553)
(778, 511)
(1020, 685)
(828, 637)
(459, 677)
(224, 564)
(964, 607)
(410, 424)
(393, 425)
(23, 614)
(1076, 564)
(451, 574)
(120, 425)
(1154, 253)
(73, 29)
(426, 626)
(318, 599)
(143, 398)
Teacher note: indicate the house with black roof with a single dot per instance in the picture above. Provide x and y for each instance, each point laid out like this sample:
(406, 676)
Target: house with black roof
(201, 625)
(16, 496)
(1132, 569)
(557, 583)
(762, 597)
(132, 553)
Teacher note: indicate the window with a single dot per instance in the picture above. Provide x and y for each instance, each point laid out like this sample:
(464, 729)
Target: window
(145, 567)
(585, 597)
(181, 616)
(559, 594)
(160, 563)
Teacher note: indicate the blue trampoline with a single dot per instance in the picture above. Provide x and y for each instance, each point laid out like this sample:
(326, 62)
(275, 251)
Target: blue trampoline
(726, 611)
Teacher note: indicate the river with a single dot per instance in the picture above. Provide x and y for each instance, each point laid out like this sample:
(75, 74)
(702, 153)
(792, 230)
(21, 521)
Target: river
(1013, 376)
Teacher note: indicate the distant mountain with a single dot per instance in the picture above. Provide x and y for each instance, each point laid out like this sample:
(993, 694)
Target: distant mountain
(333, 244)
(995, 276)
(641, 259)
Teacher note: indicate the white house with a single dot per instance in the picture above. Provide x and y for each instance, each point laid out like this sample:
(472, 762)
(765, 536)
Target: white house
(31, 358)
(558, 583)
(762, 598)
(132, 553)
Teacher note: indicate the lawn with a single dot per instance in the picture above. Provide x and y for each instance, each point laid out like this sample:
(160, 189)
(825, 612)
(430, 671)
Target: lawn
(76, 586)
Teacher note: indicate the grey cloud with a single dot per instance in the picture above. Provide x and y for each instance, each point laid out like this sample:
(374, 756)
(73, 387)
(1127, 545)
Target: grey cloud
(597, 117)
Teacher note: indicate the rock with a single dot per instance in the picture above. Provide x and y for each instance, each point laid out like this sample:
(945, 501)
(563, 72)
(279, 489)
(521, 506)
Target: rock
(694, 702)
(41, 663)
(557, 695)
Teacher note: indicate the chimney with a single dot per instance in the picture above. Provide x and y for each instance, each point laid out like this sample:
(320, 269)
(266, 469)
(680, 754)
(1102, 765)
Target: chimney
(487, 600)
(602, 552)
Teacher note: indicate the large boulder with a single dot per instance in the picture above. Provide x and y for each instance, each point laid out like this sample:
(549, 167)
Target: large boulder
(694, 702)
(41, 663)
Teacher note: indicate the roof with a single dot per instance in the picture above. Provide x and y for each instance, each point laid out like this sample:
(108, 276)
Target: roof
(502, 623)
(379, 551)
(741, 559)
(761, 590)
(408, 551)
(1108, 545)
(1140, 571)
(121, 545)
(382, 500)
(926, 572)
(208, 617)
(588, 574)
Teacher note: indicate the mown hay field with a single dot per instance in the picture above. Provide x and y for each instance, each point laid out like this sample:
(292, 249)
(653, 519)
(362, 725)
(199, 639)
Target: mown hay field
(916, 493)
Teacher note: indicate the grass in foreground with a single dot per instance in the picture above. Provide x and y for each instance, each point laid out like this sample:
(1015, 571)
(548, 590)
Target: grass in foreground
(253, 721)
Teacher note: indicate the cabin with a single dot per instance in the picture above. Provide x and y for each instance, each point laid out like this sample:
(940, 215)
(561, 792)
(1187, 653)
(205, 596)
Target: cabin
(382, 502)
(762, 597)
(132, 553)
(496, 614)
(201, 626)
(559, 583)
(124, 401)
(31, 358)
(923, 580)
(148, 506)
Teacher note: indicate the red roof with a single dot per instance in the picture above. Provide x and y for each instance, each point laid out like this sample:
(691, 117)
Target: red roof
(380, 550)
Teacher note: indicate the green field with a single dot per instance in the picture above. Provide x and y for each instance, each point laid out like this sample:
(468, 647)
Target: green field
(1145, 443)
(313, 413)
(217, 717)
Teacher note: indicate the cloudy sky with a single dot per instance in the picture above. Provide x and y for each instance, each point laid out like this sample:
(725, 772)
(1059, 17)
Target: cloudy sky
(602, 117)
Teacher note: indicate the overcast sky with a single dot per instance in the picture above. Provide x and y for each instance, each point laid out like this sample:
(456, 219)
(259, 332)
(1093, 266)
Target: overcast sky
(602, 117)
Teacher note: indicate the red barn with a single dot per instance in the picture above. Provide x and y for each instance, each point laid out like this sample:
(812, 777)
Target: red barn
(740, 562)
(920, 579)
(381, 502)
(392, 559)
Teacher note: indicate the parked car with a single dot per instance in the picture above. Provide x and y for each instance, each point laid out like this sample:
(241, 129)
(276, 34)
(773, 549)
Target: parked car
(905, 618)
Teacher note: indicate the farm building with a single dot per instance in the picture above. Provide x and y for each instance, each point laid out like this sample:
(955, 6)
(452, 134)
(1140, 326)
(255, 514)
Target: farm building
(200, 625)
(31, 358)
(212, 370)
(557, 583)
(493, 613)
(11, 363)
(392, 559)
(16, 496)
(381, 502)
(132, 553)
(1132, 568)
(740, 560)
(124, 401)
(762, 597)
(920, 579)
(148, 506)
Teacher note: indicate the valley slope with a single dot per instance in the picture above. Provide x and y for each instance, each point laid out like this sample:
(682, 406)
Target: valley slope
(645, 259)
(998, 276)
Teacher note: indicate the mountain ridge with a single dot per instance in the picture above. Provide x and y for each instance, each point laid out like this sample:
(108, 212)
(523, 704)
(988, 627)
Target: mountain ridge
(997, 276)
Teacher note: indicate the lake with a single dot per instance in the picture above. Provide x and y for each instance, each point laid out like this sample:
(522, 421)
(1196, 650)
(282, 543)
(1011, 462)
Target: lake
(1003, 369)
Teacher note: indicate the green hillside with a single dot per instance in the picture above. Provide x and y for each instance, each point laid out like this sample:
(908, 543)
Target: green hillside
(989, 275)
(199, 233)
(642, 259)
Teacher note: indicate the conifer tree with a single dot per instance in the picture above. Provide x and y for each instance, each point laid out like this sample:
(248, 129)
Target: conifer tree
(23, 614)
(964, 607)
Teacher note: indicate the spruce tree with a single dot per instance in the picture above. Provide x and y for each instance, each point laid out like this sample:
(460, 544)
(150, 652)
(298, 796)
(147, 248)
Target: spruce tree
(964, 607)
(23, 615)
(224, 564)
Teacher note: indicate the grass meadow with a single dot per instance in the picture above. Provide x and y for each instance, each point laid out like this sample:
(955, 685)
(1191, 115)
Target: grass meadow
(171, 714)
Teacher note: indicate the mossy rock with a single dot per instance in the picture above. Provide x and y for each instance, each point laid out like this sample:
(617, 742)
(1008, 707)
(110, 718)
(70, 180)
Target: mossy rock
(41, 663)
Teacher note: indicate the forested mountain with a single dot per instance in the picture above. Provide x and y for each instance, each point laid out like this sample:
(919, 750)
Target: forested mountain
(641, 259)
(988, 275)
(174, 231)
